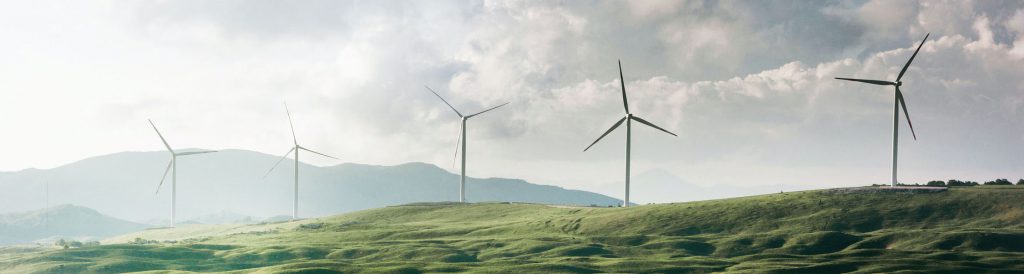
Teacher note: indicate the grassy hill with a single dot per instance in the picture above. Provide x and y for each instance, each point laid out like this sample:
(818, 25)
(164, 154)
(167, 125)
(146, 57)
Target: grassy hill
(63, 221)
(963, 230)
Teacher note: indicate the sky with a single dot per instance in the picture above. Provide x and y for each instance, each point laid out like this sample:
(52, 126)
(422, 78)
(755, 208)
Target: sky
(747, 85)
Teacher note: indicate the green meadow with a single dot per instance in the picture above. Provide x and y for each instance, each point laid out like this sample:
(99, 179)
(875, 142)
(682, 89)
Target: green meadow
(962, 230)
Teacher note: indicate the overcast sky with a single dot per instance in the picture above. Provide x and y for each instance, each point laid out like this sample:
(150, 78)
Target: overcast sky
(747, 85)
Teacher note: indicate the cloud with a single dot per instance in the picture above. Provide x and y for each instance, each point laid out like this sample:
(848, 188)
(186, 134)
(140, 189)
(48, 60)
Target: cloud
(747, 85)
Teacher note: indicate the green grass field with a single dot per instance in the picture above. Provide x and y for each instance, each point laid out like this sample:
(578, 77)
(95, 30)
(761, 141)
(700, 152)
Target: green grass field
(963, 230)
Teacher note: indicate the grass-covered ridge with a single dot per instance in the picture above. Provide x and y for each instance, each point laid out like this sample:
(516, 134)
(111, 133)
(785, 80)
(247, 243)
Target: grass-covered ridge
(956, 231)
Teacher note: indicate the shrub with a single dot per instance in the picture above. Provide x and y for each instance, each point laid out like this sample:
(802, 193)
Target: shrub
(936, 183)
(310, 226)
(141, 241)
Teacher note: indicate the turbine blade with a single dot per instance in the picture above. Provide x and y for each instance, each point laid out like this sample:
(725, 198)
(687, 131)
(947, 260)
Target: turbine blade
(279, 162)
(625, 103)
(903, 103)
(876, 82)
(641, 120)
(161, 136)
(912, 57)
(482, 112)
(606, 133)
(321, 154)
(168, 170)
(458, 141)
(194, 152)
(286, 111)
(442, 100)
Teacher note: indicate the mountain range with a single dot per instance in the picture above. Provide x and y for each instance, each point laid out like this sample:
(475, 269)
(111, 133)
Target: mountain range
(124, 185)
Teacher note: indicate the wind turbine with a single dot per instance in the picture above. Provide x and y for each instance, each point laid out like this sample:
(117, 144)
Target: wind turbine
(462, 141)
(629, 118)
(296, 148)
(899, 101)
(172, 167)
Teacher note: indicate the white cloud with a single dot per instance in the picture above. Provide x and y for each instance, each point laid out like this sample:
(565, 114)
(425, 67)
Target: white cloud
(747, 85)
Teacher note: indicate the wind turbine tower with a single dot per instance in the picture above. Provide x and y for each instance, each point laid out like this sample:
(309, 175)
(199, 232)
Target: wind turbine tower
(628, 118)
(898, 102)
(172, 167)
(295, 148)
(462, 140)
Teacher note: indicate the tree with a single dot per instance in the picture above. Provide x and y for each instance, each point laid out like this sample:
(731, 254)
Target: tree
(1020, 182)
(999, 182)
(61, 242)
(936, 183)
(953, 182)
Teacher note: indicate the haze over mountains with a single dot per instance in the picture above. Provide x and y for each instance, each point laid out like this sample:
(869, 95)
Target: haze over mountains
(661, 186)
(123, 185)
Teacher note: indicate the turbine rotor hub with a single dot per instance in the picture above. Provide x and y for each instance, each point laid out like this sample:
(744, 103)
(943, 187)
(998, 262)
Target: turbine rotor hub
(898, 83)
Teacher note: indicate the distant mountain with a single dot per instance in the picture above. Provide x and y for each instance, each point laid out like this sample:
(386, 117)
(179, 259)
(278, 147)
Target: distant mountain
(64, 221)
(123, 185)
(224, 217)
(661, 186)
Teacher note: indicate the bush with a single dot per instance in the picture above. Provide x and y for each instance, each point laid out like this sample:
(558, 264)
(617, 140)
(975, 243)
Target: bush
(141, 241)
(936, 183)
(310, 226)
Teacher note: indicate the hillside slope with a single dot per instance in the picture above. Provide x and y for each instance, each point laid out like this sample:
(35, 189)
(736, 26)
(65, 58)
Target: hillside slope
(964, 230)
(64, 221)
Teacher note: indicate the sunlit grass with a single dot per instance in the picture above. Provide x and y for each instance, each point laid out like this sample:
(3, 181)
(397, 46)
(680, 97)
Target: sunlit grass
(960, 230)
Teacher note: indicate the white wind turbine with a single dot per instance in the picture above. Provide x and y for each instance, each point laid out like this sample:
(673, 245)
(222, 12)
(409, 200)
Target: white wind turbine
(296, 148)
(629, 131)
(898, 101)
(172, 167)
(462, 140)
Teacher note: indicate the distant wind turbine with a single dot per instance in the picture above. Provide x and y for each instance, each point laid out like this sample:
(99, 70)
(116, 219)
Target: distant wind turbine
(295, 148)
(172, 167)
(629, 130)
(899, 101)
(462, 140)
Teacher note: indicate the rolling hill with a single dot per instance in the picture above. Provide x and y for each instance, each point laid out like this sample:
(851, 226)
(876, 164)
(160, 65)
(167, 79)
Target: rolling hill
(962, 230)
(124, 185)
(64, 221)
